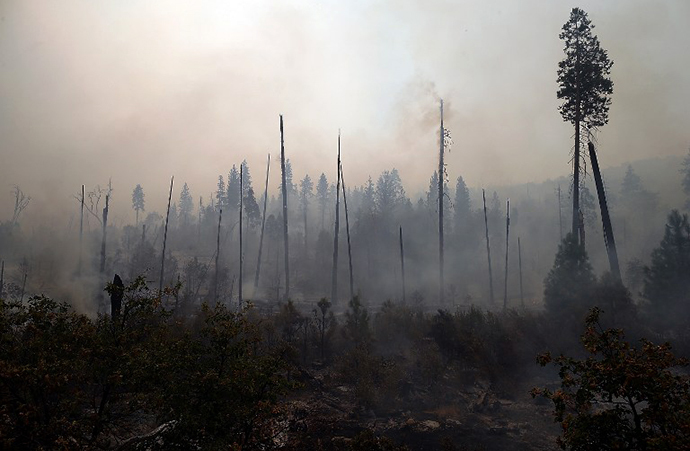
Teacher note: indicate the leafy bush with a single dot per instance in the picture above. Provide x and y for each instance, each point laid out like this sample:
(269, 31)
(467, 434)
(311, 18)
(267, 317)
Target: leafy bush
(620, 396)
(69, 382)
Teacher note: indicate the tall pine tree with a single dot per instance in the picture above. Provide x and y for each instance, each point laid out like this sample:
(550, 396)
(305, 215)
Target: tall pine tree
(585, 87)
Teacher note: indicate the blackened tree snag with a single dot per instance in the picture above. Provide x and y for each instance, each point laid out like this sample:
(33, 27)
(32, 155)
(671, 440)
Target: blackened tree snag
(105, 229)
(263, 227)
(285, 212)
(215, 278)
(488, 249)
(522, 297)
(165, 237)
(239, 286)
(198, 224)
(560, 215)
(585, 87)
(81, 228)
(21, 297)
(334, 273)
(347, 232)
(402, 264)
(609, 240)
(505, 281)
(116, 295)
(441, 179)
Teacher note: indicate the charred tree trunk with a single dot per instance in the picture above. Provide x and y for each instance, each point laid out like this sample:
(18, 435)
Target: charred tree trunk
(21, 298)
(347, 231)
(285, 212)
(402, 264)
(505, 282)
(582, 230)
(215, 278)
(239, 285)
(560, 215)
(522, 298)
(116, 295)
(263, 227)
(165, 238)
(488, 249)
(81, 228)
(334, 274)
(105, 229)
(198, 227)
(441, 178)
(605, 218)
(576, 182)
(306, 240)
(2, 277)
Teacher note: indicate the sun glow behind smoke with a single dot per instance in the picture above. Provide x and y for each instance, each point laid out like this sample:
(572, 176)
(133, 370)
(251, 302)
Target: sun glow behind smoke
(137, 91)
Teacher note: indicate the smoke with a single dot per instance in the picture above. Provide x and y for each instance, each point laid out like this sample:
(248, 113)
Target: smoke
(143, 90)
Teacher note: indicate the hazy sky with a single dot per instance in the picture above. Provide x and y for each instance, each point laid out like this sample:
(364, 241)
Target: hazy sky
(141, 90)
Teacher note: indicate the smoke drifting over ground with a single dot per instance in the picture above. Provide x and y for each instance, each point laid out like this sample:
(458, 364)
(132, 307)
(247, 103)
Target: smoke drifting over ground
(142, 90)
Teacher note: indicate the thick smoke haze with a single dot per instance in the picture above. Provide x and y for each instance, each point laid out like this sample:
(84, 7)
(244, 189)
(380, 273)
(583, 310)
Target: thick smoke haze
(138, 91)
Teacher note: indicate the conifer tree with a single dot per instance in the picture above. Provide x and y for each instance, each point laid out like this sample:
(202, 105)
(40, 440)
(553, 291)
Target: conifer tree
(584, 86)
(137, 201)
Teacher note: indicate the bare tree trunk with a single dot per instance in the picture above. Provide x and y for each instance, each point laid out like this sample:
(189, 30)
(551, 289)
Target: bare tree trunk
(285, 212)
(522, 298)
(116, 295)
(21, 298)
(165, 238)
(488, 250)
(239, 285)
(198, 226)
(2, 277)
(105, 228)
(81, 227)
(582, 229)
(306, 240)
(215, 279)
(605, 218)
(347, 230)
(277, 276)
(334, 274)
(232, 286)
(560, 215)
(263, 227)
(441, 179)
(143, 234)
(402, 264)
(576, 181)
(505, 283)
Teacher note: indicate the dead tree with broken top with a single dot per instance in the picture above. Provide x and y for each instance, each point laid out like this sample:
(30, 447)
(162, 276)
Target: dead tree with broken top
(81, 227)
(263, 228)
(488, 249)
(609, 240)
(215, 278)
(239, 286)
(505, 282)
(165, 237)
(2, 277)
(334, 274)
(522, 298)
(105, 229)
(347, 231)
(560, 215)
(402, 264)
(285, 212)
(441, 179)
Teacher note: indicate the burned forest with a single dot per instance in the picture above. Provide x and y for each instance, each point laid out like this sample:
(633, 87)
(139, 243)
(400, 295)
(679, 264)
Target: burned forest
(183, 265)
